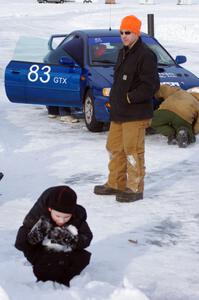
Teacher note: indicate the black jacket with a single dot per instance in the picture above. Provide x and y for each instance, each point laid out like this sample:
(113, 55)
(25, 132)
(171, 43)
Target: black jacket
(136, 74)
(41, 209)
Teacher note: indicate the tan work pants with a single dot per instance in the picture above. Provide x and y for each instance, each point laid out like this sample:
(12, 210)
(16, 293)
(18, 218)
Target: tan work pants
(125, 144)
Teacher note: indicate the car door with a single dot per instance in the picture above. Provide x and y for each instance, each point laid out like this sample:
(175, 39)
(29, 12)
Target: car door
(40, 83)
(45, 83)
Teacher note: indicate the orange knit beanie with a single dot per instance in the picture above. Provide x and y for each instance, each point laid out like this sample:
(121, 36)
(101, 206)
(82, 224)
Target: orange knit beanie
(131, 23)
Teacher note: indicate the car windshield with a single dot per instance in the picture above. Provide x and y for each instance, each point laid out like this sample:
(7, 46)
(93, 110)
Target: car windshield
(164, 59)
(104, 51)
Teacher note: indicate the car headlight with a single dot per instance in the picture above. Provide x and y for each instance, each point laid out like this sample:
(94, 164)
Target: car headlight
(106, 92)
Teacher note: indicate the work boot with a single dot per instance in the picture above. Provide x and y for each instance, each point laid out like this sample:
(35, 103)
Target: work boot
(1, 175)
(192, 139)
(182, 137)
(105, 190)
(172, 140)
(129, 196)
(150, 131)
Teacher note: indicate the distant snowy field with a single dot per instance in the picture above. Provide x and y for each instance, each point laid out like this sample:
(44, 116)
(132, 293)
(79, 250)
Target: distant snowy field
(36, 153)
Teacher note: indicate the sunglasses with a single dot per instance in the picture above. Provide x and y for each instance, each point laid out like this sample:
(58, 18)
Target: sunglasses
(125, 32)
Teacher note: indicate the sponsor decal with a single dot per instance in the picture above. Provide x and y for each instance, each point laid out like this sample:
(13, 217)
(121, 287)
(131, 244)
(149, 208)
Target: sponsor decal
(170, 83)
(169, 75)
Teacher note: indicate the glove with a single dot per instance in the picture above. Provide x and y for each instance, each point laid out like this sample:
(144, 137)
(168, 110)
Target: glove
(72, 236)
(66, 236)
(39, 231)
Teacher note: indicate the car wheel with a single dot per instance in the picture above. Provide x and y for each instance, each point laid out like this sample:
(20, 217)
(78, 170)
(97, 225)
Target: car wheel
(89, 112)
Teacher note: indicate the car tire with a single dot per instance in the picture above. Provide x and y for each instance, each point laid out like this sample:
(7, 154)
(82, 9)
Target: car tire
(89, 113)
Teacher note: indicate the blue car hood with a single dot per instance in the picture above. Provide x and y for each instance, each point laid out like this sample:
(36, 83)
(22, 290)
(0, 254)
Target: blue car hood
(173, 75)
(105, 74)
(176, 75)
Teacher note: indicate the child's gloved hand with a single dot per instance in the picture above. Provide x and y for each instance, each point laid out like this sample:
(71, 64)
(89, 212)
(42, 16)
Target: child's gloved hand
(39, 231)
(73, 230)
(65, 235)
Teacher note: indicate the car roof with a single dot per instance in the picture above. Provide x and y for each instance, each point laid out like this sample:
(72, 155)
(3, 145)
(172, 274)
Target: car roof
(100, 32)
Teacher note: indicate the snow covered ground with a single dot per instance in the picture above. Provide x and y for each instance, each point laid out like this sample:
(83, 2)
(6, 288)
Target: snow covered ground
(36, 152)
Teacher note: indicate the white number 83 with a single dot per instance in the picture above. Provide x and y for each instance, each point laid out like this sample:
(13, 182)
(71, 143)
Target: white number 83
(34, 76)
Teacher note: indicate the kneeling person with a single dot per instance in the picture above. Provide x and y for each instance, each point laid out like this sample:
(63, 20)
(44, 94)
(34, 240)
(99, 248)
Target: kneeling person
(177, 116)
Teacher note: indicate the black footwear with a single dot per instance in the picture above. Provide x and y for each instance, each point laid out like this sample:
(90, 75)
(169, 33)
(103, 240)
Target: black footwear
(172, 140)
(105, 190)
(192, 139)
(150, 131)
(182, 137)
(129, 196)
(1, 175)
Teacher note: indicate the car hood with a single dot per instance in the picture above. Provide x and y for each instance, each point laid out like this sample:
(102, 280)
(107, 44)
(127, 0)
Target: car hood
(176, 75)
(105, 73)
(172, 75)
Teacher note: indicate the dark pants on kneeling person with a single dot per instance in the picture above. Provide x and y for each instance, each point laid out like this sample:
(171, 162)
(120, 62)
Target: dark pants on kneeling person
(168, 123)
(59, 266)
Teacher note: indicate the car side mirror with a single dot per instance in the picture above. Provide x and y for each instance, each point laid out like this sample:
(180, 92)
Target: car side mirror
(65, 60)
(180, 59)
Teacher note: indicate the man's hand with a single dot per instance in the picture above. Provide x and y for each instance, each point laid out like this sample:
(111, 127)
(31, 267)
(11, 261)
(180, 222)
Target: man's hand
(128, 99)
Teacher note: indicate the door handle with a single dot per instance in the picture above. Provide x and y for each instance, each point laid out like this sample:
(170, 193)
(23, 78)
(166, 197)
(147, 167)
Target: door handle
(15, 72)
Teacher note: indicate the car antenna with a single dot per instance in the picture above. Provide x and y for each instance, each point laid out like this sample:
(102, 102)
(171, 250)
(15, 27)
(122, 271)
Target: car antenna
(110, 16)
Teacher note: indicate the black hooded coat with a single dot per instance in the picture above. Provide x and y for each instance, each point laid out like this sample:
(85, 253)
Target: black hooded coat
(136, 75)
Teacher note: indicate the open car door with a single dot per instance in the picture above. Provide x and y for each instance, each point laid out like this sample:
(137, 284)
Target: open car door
(30, 80)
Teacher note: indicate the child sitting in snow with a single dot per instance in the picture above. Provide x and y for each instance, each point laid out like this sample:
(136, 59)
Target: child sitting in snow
(54, 235)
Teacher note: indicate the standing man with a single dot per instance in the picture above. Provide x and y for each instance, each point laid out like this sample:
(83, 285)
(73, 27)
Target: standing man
(135, 82)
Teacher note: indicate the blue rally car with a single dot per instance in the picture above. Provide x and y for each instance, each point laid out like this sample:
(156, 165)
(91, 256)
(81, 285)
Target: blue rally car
(78, 73)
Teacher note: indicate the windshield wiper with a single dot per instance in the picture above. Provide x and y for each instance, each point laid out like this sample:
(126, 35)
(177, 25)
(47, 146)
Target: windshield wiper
(106, 61)
(163, 64)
